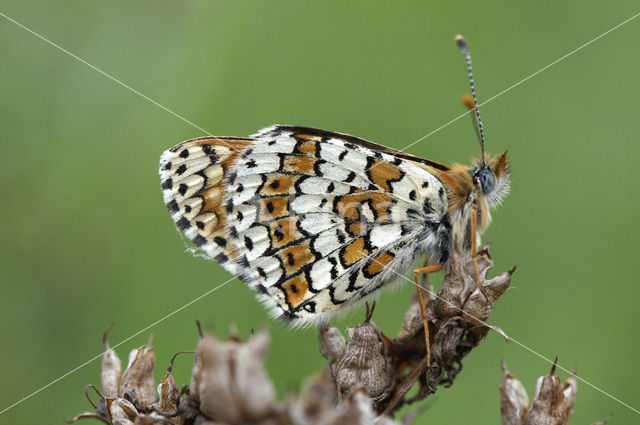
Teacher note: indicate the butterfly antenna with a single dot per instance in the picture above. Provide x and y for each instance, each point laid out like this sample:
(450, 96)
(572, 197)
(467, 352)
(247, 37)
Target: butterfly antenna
(462, 44)
(467, 101)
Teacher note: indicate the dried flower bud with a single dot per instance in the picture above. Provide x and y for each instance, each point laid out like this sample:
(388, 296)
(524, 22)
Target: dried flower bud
(514, 400)
(111, 369)
(121, 411)
(228, 379)
(137, 382)
(365, 364)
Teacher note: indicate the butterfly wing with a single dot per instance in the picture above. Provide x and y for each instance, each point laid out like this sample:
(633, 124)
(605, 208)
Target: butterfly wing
(320, 220)
(192, 175)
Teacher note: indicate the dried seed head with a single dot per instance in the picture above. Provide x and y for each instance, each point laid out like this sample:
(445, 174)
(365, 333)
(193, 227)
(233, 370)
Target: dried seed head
(514, 400)
(111, 369)
(229, 382)
(548, 404)
(365, 364)
(459, 293)
(137, 382)
(253, 383)
(211, 382)
(553, 402)
(477, 308)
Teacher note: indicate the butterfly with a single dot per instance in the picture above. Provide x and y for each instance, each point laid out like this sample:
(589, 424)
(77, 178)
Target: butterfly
(317, 221)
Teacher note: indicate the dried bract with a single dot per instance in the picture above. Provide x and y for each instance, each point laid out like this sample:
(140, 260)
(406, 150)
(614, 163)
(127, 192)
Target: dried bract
(570, 392)
(445, 343)
(137, 382)
(111, 369)
(168, 394)
(228, 381)
(331, 343)
(87, 415)
(121, 411)
(514, 400)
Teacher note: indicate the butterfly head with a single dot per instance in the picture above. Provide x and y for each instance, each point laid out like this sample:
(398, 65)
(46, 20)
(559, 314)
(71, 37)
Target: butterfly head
(491, 178)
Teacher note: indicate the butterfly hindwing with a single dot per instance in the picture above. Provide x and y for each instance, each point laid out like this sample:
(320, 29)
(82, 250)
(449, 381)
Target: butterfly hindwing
(193, 186)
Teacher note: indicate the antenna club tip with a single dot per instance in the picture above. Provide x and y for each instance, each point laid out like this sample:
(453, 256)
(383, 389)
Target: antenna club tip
(467, 101)
(460, 41)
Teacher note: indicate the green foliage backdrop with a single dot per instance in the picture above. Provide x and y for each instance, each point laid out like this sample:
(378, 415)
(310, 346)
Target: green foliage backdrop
(85, 238)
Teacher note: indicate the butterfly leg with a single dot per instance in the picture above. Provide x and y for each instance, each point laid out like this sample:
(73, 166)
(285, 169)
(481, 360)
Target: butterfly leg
(474, 250)
(423, 309)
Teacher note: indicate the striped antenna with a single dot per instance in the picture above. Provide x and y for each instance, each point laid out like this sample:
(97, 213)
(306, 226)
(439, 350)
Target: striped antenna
(462, 44)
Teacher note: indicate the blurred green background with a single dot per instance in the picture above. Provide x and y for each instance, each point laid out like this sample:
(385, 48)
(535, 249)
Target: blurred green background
(86, 240)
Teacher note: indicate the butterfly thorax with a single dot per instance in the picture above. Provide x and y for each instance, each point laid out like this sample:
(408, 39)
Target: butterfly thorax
(465, 192)
(461, 197)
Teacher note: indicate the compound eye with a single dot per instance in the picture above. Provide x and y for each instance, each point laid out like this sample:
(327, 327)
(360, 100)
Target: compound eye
(487, 180)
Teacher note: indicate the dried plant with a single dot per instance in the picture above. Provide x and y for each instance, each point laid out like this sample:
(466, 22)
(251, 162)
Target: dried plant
(366, 380)
(552, 404)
